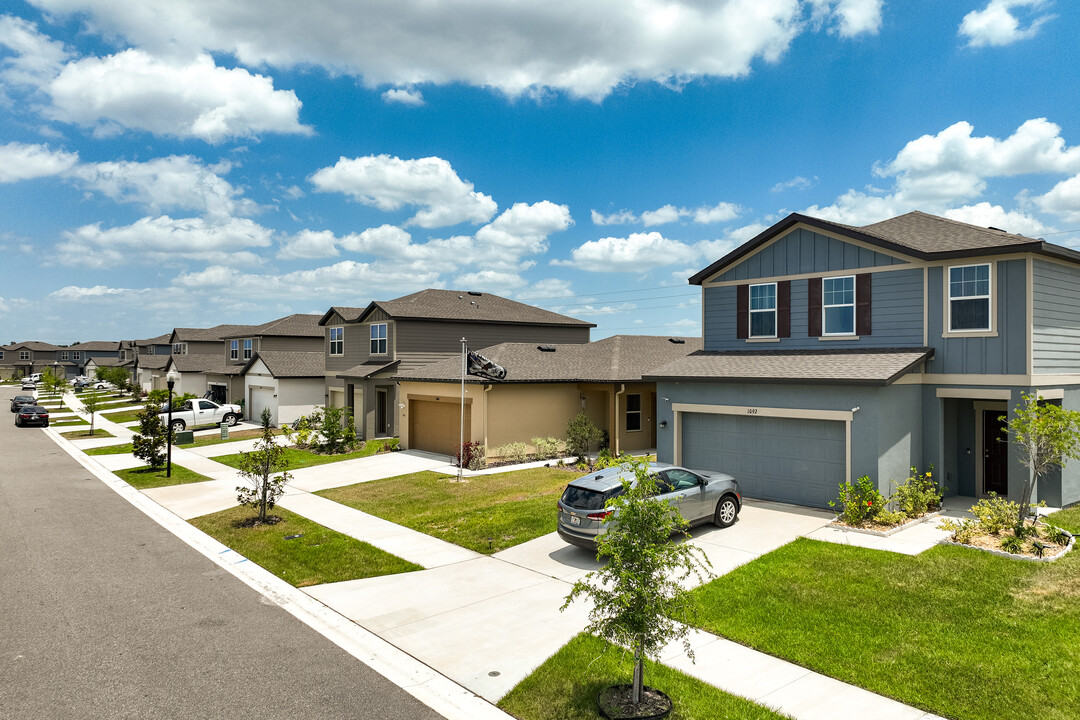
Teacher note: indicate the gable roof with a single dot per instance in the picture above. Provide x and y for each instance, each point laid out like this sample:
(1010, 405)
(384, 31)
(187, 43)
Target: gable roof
(218, 332)
(863, 366)
(159, 340)
(620, 358)
(34, 345)
(282, 364)
(98, 345)
(348, 314)
(915, 234)
(153, 362)
(454, 306)
(297, 325)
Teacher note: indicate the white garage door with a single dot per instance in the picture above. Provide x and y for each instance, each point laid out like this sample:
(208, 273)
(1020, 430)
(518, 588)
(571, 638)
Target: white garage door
(787, 459)
(262, 397)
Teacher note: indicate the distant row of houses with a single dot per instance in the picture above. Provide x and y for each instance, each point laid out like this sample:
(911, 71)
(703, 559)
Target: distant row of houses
(827, 352)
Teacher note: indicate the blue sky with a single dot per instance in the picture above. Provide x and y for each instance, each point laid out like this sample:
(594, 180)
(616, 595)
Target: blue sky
(192, 162)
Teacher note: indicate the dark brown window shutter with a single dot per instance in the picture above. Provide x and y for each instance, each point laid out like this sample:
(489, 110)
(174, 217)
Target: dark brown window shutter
(783, 309)
(742, 311)
(813, 310)
(862, 304)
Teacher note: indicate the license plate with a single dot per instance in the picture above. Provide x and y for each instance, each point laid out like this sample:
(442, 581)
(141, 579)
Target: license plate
(575, 520)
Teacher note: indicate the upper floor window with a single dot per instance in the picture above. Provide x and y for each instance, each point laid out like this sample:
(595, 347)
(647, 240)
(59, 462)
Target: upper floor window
(234, 349)
(378, 339)
(248, 344)
(838, 305)
(64, 354)
(633, 412)
(179, 348)
(76, 354)
(151, 351)
(24, 354)
(763, 310)
(969, 297)
(1, 354)
(337, 341)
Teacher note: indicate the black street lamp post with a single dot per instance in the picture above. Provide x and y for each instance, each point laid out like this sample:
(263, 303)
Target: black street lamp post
(170, 380)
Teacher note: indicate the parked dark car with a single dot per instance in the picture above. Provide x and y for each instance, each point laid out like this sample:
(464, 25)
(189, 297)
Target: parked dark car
(19, 400)
(32, 415)
(699, 497)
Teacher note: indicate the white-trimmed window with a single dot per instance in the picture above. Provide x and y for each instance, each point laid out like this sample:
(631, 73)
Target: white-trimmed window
(969, 298)
(633, 412)
(24, 354)
(76, 354)
(234, 349)
(248, 345)
(763, 310)
(838, 305)
(337, 341)
(378, 339)
(64, 354)
(179, 348)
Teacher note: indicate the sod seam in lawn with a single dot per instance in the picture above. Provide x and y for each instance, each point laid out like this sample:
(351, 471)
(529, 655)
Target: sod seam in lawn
(487, 513)
(144, 478)
(319, 556)
(955, 631)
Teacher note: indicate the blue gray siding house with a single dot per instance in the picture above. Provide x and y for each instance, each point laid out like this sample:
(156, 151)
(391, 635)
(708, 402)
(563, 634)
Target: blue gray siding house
(831, 352)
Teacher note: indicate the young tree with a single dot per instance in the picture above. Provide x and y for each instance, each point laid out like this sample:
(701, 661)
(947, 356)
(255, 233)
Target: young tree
(1047, 435)
(337, 432)
(54, 382)
(581, 433)
(638, 598)
(149, 443)
(117, 376)
(91, 402)
(257, 467)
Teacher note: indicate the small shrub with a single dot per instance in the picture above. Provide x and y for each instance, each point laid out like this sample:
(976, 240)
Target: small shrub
(470, 455)
(963, 530)
(1024, 531)
(995, 513)
(1056, 535)
(606, 459)
(1038, 548)
(919, 494)
(514, 453)
(546, 448)
(581, 435)
(1012, 544)
(859, 503)
(890, 517)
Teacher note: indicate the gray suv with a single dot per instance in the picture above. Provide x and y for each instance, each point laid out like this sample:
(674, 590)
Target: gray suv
(699, 497)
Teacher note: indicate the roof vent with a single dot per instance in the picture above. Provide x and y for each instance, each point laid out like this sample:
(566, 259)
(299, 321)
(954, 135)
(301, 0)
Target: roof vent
(475, 294)
(546, 348)
(676, 341)
(991, 227)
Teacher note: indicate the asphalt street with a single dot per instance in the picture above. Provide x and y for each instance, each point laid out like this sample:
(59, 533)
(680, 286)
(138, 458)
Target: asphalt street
(105, 614)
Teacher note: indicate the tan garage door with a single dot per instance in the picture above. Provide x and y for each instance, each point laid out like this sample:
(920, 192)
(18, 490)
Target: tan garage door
(435, 426)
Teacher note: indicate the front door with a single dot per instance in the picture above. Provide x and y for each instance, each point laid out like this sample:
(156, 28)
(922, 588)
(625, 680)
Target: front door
(380, 412)
(995, 453)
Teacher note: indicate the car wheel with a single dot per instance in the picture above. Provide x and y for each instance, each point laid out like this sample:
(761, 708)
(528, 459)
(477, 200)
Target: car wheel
(178, 426)
(17, 421)
(231, 419)
(46, 424)
(727, 510)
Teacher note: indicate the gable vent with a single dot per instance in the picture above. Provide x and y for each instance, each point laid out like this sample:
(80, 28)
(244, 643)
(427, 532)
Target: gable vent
(676, 341)
(546, 348)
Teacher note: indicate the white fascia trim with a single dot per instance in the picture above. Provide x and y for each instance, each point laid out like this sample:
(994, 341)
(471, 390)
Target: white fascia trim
(757, 411)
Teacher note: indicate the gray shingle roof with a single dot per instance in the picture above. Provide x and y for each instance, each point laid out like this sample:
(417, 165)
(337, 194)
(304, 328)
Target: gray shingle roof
(350, 314)
(153, 362)
(110, 362)
(870, 366)
(159, 340)
(620, 358)
(34, 345)
(367, 369)
(298, 325)
(452, 305)
(215, 364)
(218, 332)
(291, 364)
(99, 345)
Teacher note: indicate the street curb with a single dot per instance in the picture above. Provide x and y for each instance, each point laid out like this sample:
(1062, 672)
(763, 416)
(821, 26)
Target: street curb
(435, 690)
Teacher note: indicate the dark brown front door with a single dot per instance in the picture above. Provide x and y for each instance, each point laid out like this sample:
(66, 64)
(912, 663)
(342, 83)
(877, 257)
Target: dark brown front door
(995, 453)
(380, 411)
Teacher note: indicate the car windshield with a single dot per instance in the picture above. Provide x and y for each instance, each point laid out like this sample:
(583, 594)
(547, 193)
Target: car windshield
(585, 499)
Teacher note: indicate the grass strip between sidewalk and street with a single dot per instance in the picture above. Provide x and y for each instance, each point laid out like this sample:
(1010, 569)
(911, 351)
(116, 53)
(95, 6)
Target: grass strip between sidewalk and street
(123, 416)
(486, 513)
(318, 555)
(298, 458)
(85, 434)
(144, 478)
(566, 685)
(202, 441)
(955, 631)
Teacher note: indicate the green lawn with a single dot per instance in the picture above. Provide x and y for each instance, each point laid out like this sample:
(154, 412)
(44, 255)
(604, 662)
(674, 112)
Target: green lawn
(123, 416)
(84, 434)
(954, 631)
(306, 458)
(565, 688)
(488, 513)
(68, 422)
(145, 478)
(199, 442)
(319, 556)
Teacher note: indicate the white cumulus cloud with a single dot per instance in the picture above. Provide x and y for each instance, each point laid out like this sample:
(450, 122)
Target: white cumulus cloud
(848, 18)
(19, 161)
(1063, 200)
(404, 96)
(640, 252)
(35, 58)
(986, 215)
(74, 292)
(997, 24)
(187, 99)
(390, 183)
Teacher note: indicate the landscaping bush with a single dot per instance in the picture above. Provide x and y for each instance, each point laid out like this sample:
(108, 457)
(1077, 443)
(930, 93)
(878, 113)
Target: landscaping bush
(581, 435)
(546, 448)
(513, 453)
(995, 513)
(859, 503)
(605, 459)
(919, 494)
(963, 530)
(470, 455)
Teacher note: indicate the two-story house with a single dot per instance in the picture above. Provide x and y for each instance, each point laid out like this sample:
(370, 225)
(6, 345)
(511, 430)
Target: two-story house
(201, 363)
(832, 351)
(102, 352)
(20, 359)
(151, 356)
(366, 347)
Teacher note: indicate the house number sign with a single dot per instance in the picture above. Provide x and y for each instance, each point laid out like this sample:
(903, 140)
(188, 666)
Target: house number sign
(751, 411)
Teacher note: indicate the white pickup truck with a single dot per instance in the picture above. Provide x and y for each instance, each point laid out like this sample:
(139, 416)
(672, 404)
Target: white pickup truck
(194, 413)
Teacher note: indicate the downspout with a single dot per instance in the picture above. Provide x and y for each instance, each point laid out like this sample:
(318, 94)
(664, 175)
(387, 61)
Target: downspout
(615, 419)
(487, 389)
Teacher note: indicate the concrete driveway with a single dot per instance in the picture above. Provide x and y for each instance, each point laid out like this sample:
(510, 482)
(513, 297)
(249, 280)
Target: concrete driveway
(488, 622)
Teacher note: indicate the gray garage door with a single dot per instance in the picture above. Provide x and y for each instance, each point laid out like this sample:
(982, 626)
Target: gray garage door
(262, 397)
(790, 460)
